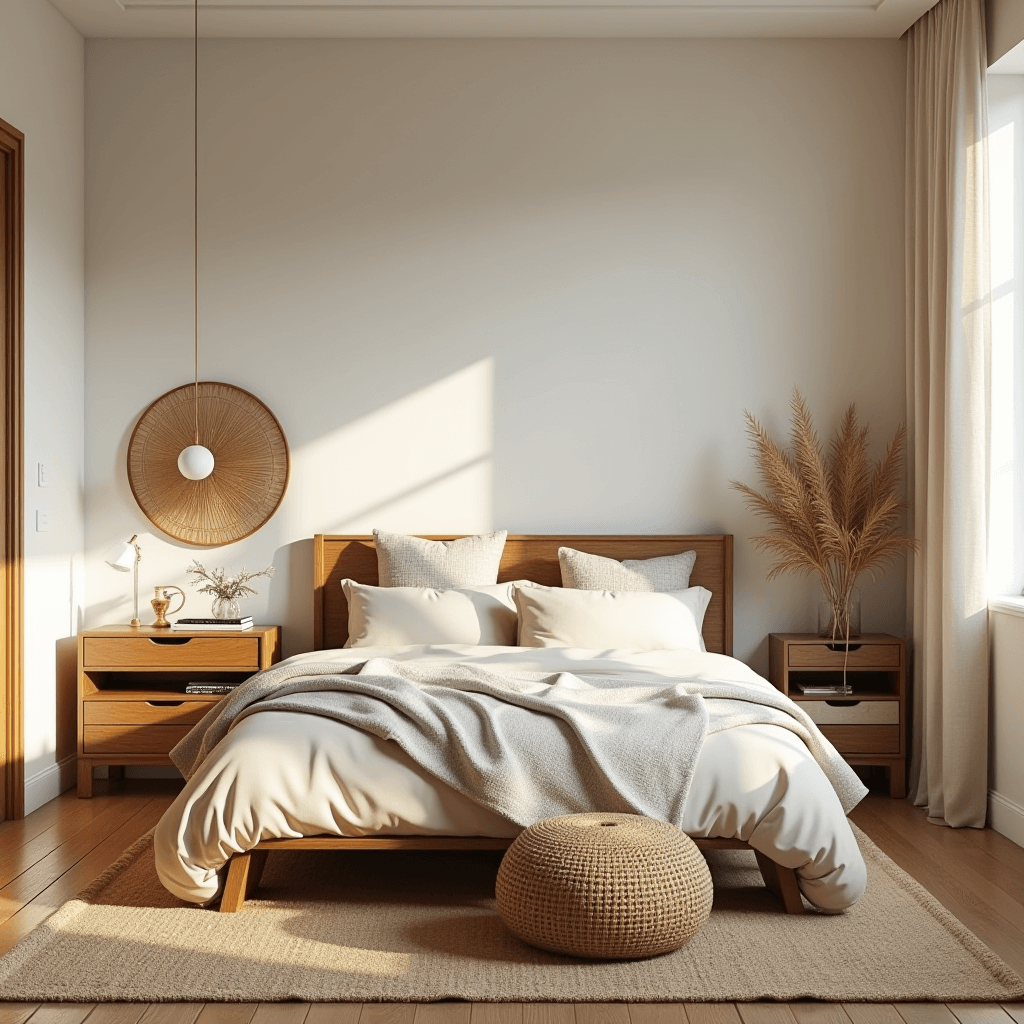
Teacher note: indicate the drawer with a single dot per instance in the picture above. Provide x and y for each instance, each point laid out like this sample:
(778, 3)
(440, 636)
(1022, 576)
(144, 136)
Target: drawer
(132, 739)
(865, 656)
(862, 712)
(864, 739)
(143, 712)
(172, 652)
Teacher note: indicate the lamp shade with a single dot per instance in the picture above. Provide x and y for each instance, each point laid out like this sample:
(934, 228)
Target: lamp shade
(122, 557)
(195, 462)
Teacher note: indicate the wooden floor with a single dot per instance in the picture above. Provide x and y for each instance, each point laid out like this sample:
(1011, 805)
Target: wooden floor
(55, 852)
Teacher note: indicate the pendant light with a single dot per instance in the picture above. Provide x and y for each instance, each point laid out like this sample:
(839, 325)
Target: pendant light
(196, 461)
(178, 483)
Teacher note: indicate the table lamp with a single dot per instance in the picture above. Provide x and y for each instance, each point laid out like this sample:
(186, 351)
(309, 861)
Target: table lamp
(123, 558)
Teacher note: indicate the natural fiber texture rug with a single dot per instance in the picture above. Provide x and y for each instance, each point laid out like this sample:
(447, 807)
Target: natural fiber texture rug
(422, 926)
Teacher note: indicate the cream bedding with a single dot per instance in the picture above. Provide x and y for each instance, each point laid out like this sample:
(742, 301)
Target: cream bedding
(285, 774)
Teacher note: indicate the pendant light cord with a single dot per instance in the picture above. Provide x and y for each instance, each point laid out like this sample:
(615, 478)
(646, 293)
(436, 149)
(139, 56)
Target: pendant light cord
(195, 209)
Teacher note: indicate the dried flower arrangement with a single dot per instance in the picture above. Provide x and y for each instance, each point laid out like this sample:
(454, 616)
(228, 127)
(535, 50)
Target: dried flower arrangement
(226, 590)
(835, 514)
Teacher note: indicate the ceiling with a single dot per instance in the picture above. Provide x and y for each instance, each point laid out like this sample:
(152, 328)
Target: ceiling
(493, 18)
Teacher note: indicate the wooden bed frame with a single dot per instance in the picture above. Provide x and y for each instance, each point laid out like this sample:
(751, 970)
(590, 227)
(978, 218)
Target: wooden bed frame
(525, 557)
(535, 558)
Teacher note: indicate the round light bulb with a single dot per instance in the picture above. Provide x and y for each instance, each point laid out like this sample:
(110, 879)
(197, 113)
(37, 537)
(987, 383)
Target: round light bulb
(195, 462)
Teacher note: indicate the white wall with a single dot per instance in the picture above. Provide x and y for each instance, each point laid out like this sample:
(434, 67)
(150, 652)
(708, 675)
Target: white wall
(42, 84)
(1006, 559)
(1006, 767)
(521, 284)
(1006, 176)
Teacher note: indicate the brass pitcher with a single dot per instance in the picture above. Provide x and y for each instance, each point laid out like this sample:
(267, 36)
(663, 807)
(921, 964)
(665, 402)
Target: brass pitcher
(162, 605)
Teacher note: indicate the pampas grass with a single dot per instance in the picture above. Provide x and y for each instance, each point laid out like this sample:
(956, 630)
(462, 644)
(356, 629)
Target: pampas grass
(833, 513)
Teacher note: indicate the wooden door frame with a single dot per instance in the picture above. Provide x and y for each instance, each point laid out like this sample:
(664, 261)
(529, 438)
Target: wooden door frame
(12, 496)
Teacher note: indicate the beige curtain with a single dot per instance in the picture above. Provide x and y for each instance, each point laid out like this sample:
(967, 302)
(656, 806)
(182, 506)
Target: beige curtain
(948, 407)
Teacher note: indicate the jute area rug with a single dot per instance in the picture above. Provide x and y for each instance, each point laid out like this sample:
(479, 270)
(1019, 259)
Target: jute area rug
(421, 926)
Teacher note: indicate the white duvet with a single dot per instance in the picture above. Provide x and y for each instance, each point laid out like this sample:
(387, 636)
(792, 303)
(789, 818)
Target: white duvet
(286, 775)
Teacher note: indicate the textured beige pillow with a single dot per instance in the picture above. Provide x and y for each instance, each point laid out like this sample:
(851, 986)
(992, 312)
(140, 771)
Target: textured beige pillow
(393, 616)
(611, 619)
(582, 571)
(404, 561)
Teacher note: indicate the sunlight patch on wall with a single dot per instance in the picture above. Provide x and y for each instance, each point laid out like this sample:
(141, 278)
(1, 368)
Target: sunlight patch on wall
(422, 463)
(1001, 181)
(1004, 543)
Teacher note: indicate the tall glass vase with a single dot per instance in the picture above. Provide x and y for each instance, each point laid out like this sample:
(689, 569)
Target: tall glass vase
(839, 619)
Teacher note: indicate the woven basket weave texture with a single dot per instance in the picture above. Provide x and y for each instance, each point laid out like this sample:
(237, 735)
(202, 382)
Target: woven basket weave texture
(607, 886)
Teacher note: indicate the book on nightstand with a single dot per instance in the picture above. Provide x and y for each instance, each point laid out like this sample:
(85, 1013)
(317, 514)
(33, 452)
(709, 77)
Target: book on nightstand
(246, 622)
(216, 688)
(822, 690)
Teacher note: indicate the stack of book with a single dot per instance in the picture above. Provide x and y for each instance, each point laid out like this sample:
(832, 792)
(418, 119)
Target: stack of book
(822, 689)
(211, 687)
(216, 624)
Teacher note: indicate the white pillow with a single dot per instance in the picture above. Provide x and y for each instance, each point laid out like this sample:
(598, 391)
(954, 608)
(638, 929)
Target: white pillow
(404, 561)
(631, 619)
(391, 616)
(583, 571)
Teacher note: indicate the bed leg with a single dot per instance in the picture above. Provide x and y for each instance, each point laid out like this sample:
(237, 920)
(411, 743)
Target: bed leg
(236, 884)
(782, 881)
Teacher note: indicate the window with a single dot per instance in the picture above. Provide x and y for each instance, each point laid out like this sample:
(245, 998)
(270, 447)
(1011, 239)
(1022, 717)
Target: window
(1006, 178)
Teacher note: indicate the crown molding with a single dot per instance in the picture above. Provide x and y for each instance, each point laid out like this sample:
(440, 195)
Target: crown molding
(326, 19)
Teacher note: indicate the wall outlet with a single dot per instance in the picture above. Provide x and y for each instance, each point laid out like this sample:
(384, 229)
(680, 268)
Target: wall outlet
(43, 474)
(42, 521)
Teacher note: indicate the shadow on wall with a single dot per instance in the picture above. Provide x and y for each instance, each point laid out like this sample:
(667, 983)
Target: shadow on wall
(67, 697)
(290, 596)
(539, 303)
(410, 464)
(420, 463)
(426, 463)
(416, 459)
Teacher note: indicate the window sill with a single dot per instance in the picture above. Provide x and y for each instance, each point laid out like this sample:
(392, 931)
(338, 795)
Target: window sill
(1008, 605)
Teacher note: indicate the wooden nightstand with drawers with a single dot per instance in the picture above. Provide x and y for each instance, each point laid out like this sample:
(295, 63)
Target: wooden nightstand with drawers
(869, 726)
(132, 705)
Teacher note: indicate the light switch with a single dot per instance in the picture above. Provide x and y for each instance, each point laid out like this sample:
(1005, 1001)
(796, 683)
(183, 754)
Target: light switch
(44, 474)
(42, 521)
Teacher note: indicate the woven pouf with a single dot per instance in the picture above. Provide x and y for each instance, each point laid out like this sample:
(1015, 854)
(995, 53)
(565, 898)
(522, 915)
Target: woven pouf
(612, 886)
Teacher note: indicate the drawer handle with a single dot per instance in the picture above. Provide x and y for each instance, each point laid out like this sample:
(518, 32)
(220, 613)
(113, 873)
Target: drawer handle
(842, 648)
(165, 703)
(171, 641)
(842, 703)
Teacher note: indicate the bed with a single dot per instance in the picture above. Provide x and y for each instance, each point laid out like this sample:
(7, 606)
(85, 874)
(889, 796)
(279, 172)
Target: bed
(334, 787)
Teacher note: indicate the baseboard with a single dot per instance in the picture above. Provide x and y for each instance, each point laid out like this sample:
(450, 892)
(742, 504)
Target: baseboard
(48, 784)
(1006, 817)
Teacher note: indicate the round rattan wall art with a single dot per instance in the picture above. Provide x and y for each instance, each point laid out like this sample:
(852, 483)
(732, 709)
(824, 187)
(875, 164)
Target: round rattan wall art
(250, 472)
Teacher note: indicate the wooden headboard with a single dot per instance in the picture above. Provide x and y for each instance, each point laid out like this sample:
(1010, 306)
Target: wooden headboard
(337, 557)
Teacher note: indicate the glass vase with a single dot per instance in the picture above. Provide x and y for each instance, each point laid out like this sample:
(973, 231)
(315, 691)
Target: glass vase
(840, 619)
(226, 608)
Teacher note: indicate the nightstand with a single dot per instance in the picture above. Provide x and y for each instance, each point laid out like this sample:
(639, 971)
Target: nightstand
(868, 727)
(132, 705)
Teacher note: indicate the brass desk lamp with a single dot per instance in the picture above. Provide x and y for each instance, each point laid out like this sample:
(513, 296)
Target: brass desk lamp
(127, 557)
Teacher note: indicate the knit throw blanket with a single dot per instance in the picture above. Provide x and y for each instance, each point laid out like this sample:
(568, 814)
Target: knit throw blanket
(525, 745)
